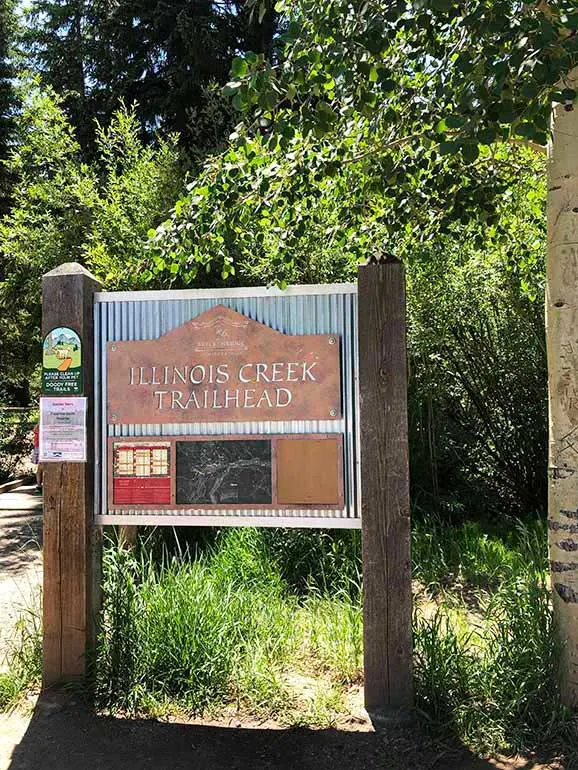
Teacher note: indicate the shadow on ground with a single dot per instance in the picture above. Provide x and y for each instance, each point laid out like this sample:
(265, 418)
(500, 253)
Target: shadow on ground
(20, 530)
(68, 736)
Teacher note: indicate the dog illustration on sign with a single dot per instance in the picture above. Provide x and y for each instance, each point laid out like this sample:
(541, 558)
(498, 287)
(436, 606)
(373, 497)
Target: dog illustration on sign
(61, 362)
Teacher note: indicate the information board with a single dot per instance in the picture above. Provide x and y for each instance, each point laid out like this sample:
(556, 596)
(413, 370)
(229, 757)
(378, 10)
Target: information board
(228, 407)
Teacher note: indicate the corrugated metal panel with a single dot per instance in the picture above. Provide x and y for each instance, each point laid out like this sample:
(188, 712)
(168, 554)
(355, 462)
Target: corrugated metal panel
(326, 309)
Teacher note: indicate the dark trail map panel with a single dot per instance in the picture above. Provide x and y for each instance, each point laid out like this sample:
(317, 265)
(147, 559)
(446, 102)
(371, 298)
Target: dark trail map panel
(223, 472)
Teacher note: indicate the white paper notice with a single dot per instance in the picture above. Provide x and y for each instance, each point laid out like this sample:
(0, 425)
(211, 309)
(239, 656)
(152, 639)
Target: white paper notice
(63, 429)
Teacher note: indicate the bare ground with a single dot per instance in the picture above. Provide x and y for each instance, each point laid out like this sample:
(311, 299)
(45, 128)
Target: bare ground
(64, 734)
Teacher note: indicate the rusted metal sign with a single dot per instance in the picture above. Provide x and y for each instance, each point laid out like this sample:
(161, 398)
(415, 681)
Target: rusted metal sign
(223, 366)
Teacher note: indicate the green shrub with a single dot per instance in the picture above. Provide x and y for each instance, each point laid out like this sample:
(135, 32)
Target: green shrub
(15, 439)
(478, 382)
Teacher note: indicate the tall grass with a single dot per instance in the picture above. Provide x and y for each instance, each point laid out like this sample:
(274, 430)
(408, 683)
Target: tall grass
(452, 555)
(221, 627)
(486, 657)
(22, 658)
(240, 618)
(492, 681)
(190, 632)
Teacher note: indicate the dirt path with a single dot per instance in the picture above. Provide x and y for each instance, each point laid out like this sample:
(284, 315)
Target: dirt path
(20, 557)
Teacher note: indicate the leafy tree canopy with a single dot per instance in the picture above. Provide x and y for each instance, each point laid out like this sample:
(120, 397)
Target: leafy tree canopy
(379, 121)
(460, 75)
(64, 209)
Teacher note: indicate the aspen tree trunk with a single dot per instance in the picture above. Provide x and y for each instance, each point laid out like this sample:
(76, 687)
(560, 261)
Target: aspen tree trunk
(562, 344)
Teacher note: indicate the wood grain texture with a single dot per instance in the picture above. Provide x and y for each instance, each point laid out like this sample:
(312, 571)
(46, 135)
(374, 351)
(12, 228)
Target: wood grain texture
(71, 542)
(385, 487)
(51, 604)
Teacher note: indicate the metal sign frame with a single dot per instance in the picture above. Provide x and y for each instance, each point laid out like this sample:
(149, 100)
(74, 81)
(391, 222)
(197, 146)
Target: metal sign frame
(298, 310)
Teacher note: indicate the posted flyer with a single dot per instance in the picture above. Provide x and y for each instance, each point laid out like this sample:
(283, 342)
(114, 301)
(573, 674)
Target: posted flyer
(63, 429)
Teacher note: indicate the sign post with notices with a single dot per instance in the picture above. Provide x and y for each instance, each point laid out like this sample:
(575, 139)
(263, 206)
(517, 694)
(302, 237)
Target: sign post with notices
(228, 407)
(63, 429)
(71, 541)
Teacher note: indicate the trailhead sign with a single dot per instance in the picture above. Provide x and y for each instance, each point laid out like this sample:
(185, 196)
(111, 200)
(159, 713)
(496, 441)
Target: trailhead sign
(229, 407)
(225, 408)
(224, 366)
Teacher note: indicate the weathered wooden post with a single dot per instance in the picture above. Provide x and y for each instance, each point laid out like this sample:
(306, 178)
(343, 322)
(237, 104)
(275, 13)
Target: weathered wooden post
(562, 346)
(385, 486)
(71, 541)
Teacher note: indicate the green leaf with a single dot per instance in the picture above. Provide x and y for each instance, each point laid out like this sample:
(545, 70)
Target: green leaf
(470, 152)
(448, 148)
(487, 135)
(455, 121)
(239, 67)
(267, 100)
(527, 130)
(506, 112)
(293, 31)
(239, 103)
(231, 88)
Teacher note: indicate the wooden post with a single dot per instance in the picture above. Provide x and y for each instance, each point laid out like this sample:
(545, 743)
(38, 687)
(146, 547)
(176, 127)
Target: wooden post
(385, 486)
(562, 347)
(71, 541)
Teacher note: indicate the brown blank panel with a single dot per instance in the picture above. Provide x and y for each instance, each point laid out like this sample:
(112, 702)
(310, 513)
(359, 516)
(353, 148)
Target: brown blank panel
(308, 471)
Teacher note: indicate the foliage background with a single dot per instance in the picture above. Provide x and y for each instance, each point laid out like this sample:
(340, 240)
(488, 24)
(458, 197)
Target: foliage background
(206, 144)
(476, 346)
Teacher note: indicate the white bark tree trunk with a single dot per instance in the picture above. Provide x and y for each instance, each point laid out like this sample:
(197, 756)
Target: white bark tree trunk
(562, 344)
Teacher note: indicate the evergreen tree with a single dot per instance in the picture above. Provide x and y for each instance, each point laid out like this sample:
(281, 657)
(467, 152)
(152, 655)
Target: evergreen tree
(7, 95)
(160, 56)
(57, 39)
